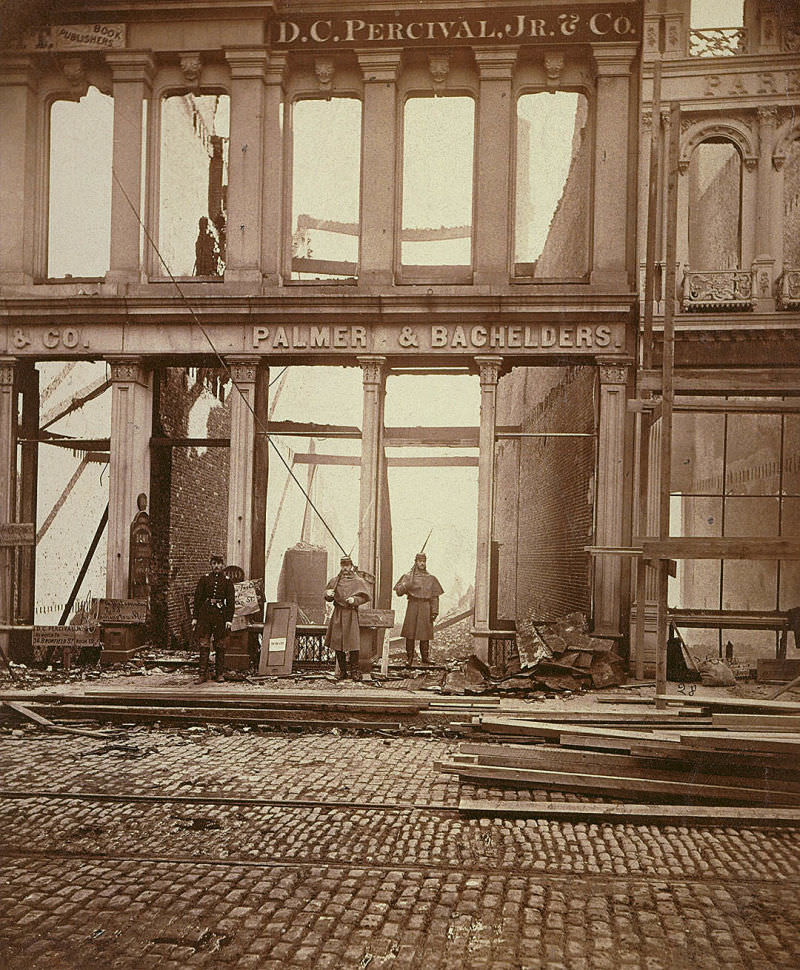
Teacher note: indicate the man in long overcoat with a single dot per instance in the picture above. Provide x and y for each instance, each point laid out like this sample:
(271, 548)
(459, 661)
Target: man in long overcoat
(423, 590)
(347, 591)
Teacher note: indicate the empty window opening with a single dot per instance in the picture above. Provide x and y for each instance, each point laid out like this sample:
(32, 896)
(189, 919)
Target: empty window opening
(433, 485)
(791, 207)
(707, 14)
(193, 184)
(715, 206)
(79, 212)
(326, 175)
(554, 160)
(438, 147)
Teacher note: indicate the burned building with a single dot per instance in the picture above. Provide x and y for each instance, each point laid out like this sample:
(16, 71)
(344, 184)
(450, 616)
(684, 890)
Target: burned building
(226, 237)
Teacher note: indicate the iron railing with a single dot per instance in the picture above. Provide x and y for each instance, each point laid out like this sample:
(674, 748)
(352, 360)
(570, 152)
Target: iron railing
(310, 649)
(717, 42)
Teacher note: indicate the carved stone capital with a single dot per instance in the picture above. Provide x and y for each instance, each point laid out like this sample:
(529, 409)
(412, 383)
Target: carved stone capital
(243, 370)
(129, 66)
(439, 68)
(127, 370)
(372, 368)
(646, 122)
(276, 68)
(613, 373)
(489, 369)
(247, 64)
(379, 66)
(613, 60)
(495, 64)
(7, 368)
(191, 68)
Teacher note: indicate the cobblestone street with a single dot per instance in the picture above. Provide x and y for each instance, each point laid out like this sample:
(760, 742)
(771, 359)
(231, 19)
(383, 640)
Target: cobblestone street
(344, 851)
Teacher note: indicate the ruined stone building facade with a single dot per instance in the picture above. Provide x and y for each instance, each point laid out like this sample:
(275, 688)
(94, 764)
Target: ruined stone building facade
(526, 269)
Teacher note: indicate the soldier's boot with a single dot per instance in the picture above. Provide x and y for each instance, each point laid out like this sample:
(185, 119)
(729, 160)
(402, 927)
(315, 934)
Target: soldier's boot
(205, 649)
(341, 665)
(424, 650)
(410, 653)
(219, 662)
(355, 670)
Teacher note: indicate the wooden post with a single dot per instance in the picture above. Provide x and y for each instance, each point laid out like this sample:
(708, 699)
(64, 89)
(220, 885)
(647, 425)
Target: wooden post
(646, 361)
(8, 490)
(667, 392)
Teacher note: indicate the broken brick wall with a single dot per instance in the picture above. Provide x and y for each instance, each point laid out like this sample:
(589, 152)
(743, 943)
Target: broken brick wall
(544, 494)
(189, 497)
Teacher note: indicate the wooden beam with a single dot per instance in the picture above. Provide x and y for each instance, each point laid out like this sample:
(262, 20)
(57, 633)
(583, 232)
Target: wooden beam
(704, 815)
(781, 381)
(444, 461)
(626, 784)
(714, 547)
(88, 393)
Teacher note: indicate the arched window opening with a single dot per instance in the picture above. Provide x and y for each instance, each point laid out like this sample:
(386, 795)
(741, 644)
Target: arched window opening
(438, 150)
(79, 210)
(791, 207)
(326, 176)
(193, 184)
(554, 159)
(715, 206)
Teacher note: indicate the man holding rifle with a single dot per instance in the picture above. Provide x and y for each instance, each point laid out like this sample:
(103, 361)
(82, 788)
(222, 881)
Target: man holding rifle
(347, 591)
(423, 590)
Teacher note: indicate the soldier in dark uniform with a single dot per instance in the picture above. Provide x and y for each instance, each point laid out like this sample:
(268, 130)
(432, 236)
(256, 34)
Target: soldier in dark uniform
(212, 616)
(347, 591)
(423, 591)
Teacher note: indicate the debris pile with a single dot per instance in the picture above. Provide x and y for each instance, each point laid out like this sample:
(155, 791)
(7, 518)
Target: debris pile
(722, 751)
(555, 657)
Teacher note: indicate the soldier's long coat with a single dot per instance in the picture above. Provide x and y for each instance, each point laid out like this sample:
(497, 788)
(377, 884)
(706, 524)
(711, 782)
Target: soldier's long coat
(423, 591)
(343, 625)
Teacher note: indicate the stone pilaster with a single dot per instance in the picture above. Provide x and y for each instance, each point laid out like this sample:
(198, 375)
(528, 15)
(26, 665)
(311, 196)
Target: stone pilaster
(374, 384)
(132, 73)
(612, 469)
(493, 212)
(245, 375)
(272, 213)
(378, 166)
(489, 376)
(245, 164)
(766, 231)
(18, 163)
(611, 170)
(131, 428)
(8, 488)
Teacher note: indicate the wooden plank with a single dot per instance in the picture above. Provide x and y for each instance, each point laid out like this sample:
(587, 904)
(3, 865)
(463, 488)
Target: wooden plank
(24, 711)
(201, 715)
(704, 815)
(743, 704)
(715, 547)
(730, 619)
(555, 758)
(554, 730)
(595, 782)
(678, 752)
(780, 381)
(212, 695)
(757, 722)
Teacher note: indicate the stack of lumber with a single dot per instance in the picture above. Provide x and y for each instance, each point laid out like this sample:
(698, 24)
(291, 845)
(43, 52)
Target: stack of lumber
(310, 709)
(673, 757)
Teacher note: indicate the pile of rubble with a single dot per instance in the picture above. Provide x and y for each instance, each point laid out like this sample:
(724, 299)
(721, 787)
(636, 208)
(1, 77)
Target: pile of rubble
(553, 656)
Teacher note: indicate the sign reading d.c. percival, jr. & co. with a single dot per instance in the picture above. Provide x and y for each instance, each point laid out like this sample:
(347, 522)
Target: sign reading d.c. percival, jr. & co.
(523, 25)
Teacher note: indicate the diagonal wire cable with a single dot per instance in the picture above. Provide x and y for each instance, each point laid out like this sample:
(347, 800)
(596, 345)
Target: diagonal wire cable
(223, 364)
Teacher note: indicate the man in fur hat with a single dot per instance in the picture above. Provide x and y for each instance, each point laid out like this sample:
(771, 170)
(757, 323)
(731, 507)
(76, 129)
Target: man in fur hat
(347, 591)
(423, 591)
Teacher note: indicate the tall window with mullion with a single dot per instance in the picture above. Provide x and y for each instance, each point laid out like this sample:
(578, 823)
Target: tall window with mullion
(438, 154)
(326, 177)
(553, 165)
